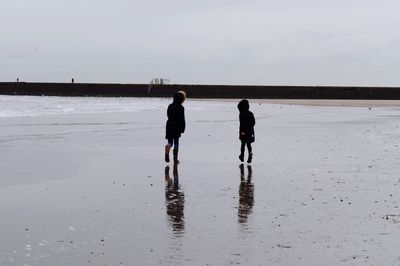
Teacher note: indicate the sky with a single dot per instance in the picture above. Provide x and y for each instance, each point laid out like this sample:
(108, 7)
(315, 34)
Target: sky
(255, 42)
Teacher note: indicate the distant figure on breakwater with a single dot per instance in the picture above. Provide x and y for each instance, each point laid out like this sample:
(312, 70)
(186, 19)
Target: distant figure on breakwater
(175, 125)
(246, 129)
(72, 80)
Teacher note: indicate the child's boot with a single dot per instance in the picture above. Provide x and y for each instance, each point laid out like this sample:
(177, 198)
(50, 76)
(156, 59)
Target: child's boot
(167, 148)
(250, 157)
(241, 157)
(176, 156)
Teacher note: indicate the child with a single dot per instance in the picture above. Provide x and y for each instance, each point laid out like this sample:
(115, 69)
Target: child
(246, 130)
(175, 124)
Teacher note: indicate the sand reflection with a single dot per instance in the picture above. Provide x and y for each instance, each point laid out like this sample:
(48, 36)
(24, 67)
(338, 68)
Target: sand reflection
(174, 201)
(246, 194)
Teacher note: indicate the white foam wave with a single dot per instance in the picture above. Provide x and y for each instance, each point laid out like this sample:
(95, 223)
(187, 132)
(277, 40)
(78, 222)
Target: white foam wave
(17, 106)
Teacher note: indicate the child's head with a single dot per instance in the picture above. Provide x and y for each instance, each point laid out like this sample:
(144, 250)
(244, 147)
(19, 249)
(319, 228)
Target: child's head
(243, 105)
(179, 97)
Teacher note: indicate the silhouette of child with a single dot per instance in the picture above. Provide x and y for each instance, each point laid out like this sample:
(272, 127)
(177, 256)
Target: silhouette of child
(175, 124)
(246, 129)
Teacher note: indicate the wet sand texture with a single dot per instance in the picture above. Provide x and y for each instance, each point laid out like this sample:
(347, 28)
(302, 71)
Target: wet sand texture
(83, 182)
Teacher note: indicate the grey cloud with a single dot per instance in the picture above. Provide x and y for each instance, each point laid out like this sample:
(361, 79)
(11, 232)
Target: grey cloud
(230, 42)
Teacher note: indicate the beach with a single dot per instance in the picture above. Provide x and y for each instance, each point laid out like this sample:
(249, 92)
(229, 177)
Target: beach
(83, 182)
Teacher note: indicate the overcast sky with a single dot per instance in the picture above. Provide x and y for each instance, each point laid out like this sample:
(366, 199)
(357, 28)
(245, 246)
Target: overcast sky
(282, 42)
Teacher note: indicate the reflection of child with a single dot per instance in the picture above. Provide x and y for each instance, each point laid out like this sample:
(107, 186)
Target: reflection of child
(246, 195)
(175, 201)
(175, 124)
(246, 130)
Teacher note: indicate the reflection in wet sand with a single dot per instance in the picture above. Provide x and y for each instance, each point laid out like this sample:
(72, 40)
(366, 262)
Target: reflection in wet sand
(174, 201)
(246, 195)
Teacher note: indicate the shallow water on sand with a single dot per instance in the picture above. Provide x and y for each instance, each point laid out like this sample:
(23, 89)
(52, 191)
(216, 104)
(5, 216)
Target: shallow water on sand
(86, 185)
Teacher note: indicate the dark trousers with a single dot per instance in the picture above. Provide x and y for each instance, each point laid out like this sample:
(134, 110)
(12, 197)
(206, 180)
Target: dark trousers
(174, 142)
(244, 144)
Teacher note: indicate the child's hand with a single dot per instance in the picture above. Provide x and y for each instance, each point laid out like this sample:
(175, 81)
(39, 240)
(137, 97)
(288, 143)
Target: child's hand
(242, 133)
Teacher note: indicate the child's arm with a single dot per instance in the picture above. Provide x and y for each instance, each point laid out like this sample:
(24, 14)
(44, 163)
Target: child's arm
(252, 120)
(183, 123)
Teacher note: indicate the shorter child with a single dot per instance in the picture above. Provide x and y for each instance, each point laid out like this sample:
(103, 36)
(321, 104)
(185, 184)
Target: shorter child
(246, 129)
(175, 124)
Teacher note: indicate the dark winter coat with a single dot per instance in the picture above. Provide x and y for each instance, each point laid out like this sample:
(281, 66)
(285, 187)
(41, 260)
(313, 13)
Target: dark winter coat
(247, 122)
(176, 119)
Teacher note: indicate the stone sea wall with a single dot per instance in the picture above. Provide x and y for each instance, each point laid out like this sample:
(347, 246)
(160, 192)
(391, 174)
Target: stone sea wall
(199, 91)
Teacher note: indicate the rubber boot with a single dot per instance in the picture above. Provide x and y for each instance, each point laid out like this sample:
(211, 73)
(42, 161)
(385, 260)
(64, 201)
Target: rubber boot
(176, 156)
(241, 157)
(167, 148)
(250, 157)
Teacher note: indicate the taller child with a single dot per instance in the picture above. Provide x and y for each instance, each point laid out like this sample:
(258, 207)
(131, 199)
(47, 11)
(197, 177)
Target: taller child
(175, 124)
(246, 129)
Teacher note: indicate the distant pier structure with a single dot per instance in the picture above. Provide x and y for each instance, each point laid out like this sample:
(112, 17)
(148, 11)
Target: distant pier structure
(160, 81)
(157, 81)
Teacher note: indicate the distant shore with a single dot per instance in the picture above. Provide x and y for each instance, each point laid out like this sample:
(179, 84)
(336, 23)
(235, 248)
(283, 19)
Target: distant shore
(201, 91)
(344, 103)
(323, 102)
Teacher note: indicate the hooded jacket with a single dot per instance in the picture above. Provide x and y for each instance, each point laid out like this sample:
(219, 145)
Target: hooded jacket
(247, 122)
(176, 117)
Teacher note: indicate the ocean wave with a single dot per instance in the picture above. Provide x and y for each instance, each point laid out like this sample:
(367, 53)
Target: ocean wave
(18, 106)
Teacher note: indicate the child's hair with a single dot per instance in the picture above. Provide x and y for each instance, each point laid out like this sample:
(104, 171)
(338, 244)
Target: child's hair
(243, 105)
(179, 96)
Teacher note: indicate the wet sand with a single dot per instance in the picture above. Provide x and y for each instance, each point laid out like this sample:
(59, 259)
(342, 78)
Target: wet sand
(92, 188)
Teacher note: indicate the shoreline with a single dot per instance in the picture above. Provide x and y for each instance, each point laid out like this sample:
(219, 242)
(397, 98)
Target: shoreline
(296, 102)
(302, 102)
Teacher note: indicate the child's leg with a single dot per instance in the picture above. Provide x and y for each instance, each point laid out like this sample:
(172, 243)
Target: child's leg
(176, 143)
(176, 148)
(250, 152)
(242, 147)
(167, 148)
(249, 148)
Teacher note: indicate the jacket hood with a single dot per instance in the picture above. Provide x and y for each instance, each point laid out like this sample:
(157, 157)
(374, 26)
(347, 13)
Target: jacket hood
(179, 97)
(243, 105)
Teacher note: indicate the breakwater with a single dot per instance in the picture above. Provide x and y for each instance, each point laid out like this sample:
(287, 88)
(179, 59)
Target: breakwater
(199, 91)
